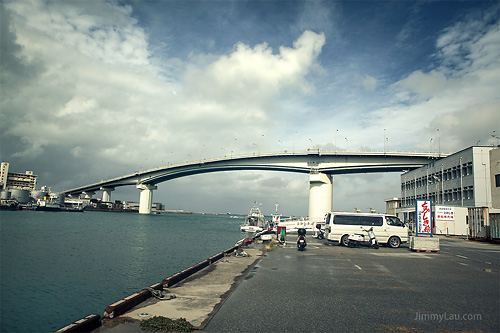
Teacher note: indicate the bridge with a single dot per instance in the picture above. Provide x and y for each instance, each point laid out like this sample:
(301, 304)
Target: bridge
(319, 165)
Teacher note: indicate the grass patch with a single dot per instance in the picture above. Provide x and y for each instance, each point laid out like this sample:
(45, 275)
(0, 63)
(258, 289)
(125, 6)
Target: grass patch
(164, 324)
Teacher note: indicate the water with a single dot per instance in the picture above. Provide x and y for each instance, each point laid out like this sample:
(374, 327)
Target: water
(57, 267)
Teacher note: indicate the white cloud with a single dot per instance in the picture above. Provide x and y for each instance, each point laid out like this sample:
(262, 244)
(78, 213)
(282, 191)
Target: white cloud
(370, 83)
(255, 75)
(96, 97)
(83, 87)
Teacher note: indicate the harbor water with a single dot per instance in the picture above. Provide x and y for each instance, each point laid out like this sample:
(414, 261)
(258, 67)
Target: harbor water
(57, 267)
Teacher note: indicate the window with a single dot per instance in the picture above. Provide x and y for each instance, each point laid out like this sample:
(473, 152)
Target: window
(497, 180)
(358, 220)
(394, 221)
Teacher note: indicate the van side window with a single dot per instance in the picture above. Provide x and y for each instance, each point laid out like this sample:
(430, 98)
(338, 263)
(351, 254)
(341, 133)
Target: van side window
(394, 221)
(371, 221)
(358, 220)
(346, 219)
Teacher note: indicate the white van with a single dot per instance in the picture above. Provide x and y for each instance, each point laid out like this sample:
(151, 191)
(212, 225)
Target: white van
(388, 229)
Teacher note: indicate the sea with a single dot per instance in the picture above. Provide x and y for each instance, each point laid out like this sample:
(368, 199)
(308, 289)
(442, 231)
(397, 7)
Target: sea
(58, 267)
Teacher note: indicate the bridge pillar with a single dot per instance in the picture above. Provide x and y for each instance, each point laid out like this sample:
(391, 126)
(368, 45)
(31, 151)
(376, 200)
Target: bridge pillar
(146, 198)
(88, 194)
(106, 193)
(320, 196)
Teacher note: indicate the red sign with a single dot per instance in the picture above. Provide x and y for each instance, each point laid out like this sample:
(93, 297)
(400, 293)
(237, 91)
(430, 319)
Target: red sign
(424, 217)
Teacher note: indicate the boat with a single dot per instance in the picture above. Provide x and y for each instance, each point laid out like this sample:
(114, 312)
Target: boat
(9, 204)
(254, 222)
(48, 206)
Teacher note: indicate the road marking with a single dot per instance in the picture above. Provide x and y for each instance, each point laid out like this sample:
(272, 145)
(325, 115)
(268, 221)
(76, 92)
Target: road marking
(462, 256)
(461, 263)
(358, 267)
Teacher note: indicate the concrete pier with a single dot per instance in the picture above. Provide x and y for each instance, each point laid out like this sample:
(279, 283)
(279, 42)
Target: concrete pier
(146, 198)
(333, 288)
(106, 193)
(320, 195)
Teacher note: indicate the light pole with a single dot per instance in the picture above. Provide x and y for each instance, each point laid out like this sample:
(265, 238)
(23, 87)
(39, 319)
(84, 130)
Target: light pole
(336, 140)
(439, 142)
(281, 145)
(293, 142)
(347, 144)
(384, 140)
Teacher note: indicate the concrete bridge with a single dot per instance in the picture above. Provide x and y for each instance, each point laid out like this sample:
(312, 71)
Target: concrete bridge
(319, 165)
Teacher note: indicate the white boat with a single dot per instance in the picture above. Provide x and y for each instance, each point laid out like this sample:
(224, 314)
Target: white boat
(254, 222)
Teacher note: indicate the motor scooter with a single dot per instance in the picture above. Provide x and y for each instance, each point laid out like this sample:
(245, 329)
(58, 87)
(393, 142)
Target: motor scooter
(320, 232)
(301, 240)
(355, 240)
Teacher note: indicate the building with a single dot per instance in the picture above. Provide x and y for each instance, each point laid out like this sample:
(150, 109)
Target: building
(455, 183)
(391, 205)
(14, 180)
(495, 177)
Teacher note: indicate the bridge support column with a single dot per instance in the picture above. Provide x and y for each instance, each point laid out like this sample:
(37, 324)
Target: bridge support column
(88, 194)
(106, 193)
(320, 196)
(146, 198)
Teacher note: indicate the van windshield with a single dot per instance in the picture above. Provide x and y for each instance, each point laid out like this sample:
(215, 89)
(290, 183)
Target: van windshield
(392, 220)
(358, 220)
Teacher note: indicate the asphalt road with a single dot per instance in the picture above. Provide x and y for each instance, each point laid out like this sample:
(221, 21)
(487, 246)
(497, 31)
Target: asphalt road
(332, 288)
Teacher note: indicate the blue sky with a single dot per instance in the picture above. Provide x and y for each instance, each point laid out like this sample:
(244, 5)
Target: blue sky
(95, 89)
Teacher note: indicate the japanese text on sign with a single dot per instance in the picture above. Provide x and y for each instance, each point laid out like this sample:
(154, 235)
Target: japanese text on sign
(424, 219)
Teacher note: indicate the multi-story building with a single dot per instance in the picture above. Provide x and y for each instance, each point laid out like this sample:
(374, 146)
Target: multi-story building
(14, 180)
(4, 171)
(462, 179)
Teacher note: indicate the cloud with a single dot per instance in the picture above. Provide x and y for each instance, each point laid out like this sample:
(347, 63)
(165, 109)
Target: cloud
(83, 86)
(96, 96)
(255, 75)
(370, 83)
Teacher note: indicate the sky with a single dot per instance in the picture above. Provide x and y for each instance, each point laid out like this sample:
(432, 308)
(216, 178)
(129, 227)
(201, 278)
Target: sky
(92, 90)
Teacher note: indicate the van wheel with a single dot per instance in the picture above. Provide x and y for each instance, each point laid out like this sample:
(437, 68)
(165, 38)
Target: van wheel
(344, 240)
(394, 242)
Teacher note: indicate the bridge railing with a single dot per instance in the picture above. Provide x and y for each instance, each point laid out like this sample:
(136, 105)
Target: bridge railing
(311, 151)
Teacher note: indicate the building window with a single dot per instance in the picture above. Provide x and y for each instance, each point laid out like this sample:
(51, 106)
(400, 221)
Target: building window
(497, 180)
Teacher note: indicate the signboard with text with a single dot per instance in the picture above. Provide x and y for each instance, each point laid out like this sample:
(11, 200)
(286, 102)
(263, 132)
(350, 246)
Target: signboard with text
(424, 217)
(445, 213)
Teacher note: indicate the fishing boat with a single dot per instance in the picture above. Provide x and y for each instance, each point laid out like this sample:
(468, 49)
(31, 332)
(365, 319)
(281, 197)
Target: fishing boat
(254, 222)
(48, 206)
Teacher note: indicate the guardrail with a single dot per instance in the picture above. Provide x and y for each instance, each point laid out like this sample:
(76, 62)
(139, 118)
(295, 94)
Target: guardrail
(93, 321)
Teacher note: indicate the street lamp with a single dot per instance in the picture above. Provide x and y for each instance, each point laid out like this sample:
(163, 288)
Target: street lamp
(347, 144)
(336, 130)
(384, 140)
(439, 142)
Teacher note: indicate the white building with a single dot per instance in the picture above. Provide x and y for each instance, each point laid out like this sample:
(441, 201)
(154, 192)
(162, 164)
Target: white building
(14, 180)
(454, 183)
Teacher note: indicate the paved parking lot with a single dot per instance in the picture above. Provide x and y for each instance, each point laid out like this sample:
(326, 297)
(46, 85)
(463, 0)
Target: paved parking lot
(331, 288)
